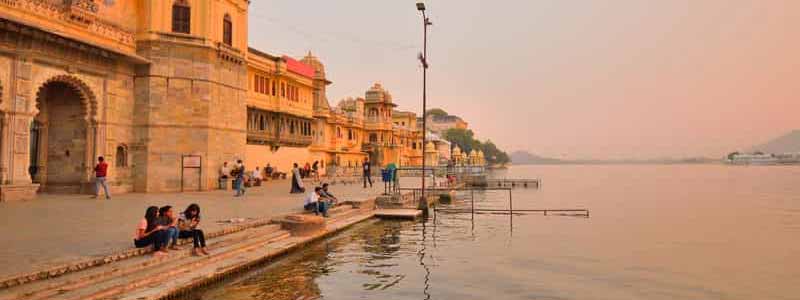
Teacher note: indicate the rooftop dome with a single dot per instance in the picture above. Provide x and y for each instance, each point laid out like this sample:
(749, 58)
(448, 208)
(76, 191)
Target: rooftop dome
(378, 94)
(313, 61)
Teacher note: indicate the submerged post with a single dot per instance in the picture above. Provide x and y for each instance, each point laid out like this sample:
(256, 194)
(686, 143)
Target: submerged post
(510, 203)
(472, 202)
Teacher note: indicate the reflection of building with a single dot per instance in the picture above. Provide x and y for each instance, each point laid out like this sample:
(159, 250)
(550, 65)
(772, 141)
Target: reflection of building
(166, 91)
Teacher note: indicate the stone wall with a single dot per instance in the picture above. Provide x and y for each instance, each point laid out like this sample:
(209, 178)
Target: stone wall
(190, 101)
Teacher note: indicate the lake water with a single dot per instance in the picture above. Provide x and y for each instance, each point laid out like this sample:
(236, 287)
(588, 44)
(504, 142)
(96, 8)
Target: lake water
(655, 232)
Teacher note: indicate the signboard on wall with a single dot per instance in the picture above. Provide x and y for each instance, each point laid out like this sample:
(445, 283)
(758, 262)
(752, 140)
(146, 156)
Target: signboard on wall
(191, 161)
(191, 172)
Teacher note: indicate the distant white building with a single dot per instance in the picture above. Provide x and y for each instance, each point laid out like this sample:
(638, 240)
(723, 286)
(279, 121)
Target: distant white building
(765, 159)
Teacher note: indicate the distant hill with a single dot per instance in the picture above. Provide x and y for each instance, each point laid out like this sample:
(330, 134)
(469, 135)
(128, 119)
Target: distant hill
(527, 158)
(786, 143)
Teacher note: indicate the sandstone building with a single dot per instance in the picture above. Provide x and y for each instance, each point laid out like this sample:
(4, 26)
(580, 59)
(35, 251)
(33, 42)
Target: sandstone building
(167, 90)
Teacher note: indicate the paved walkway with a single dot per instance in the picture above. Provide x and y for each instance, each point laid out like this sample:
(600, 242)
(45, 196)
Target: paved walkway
(57, 229)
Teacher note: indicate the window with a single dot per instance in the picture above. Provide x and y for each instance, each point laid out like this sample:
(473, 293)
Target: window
(283, 90)
(350, 134)
(274, 88)
(261, 84)
(181, 16)
(227, 30)
(122, 156)
(373, 138)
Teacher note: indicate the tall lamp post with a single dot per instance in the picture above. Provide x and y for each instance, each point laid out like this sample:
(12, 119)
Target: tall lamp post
(423, 58)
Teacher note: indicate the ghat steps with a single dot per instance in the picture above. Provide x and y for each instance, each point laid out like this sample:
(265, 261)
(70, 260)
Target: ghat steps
(145, 277)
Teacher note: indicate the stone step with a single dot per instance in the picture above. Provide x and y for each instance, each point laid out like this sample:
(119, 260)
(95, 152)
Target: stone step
(215, 272)
(182, 285)
(47, 288)
(165, 272)
(82, 265)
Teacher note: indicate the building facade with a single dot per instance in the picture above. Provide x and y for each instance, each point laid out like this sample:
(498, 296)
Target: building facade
(166, 91)
(440, 124)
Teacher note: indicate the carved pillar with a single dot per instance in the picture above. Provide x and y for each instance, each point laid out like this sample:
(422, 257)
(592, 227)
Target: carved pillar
(4, 149)
(16, 184)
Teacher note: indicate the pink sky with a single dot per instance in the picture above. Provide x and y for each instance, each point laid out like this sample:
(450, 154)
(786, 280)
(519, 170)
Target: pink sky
(573, 79)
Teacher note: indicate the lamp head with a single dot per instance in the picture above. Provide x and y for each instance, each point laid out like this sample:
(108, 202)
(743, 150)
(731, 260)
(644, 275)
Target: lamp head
(420, 6)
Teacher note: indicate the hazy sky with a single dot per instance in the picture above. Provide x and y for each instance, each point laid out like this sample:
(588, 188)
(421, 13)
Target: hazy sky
(565, 78)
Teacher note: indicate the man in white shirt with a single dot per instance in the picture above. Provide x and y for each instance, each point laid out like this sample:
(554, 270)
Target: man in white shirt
(224, 172)
(256, 176)
(313, 203)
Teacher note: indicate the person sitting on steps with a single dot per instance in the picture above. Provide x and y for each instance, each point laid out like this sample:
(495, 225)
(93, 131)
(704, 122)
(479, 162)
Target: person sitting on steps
(148, 232)
(187, 223)
(167, 219)
(314, 203)
(328, 196)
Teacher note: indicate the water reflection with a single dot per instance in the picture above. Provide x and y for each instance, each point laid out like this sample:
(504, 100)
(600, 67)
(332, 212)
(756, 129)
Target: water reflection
(373, 248)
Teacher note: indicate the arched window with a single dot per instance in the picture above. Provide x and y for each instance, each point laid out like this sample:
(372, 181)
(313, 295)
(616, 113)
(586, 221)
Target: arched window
(349, 134)
(121, 156)
(373, 138)
(181, 16)
(227, 30)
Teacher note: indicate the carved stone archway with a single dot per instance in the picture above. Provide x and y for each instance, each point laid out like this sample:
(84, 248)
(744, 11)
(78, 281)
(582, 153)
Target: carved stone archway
(62, 135)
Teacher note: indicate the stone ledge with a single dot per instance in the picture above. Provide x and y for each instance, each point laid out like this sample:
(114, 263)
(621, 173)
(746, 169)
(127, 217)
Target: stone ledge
(18, 192)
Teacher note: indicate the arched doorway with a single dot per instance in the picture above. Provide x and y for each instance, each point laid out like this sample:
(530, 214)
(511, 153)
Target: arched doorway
(59, 148)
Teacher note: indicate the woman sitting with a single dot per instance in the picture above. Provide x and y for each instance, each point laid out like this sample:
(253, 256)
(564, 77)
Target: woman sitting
(187, 223)
(170, 223)
(148, 232)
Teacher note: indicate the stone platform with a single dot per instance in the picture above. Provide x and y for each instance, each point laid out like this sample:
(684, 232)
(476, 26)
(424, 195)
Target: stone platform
(54, 231)
(398, 213)
(136, 275)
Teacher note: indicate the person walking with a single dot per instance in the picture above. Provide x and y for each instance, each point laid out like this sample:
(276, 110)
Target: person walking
(315, 170)
(100, 173)
(297, 181)
(239, 176)
(367, 172)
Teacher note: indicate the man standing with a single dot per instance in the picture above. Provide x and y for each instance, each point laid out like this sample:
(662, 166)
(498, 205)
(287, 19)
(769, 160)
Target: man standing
(367, 172)
(100, 172)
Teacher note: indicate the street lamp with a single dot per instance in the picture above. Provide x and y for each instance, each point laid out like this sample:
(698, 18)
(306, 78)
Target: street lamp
(423, 58)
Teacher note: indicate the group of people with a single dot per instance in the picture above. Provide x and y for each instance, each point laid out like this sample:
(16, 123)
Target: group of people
(320, 201)
(309, 170)
(161, 229)
(242, 178)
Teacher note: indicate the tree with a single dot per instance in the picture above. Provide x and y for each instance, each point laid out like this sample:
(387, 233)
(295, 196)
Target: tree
(464, 138)
(437, 112)
(732, 155)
